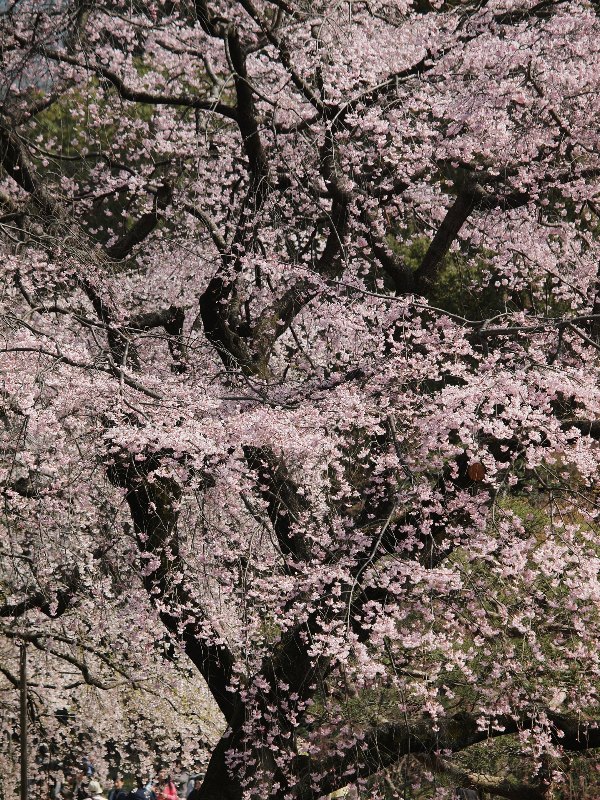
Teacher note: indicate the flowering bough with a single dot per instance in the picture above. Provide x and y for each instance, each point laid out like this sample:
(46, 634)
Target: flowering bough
(300, 381)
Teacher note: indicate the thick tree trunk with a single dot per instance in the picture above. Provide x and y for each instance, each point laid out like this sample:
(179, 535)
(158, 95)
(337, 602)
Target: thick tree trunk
(219, 783)
(225, 783)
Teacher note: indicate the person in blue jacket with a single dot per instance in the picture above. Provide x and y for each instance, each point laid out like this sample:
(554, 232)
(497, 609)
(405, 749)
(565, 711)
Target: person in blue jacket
(117, 792)
(142, 792)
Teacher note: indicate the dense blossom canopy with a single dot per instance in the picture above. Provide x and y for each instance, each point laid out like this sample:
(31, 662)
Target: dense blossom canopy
(300, 381)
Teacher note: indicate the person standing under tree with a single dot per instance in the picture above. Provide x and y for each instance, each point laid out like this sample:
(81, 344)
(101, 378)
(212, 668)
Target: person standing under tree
(165, 788)
(141, 792)
(195, 793)
(117, 792)
(95, 791)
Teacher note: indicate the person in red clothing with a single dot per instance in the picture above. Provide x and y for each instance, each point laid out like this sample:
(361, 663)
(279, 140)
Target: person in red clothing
(165, 788)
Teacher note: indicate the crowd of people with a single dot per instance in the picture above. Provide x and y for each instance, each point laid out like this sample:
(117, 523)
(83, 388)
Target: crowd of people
(83, 785)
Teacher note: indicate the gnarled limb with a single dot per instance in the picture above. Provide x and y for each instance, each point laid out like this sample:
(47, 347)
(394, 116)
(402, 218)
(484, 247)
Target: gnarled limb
(153, 503)
(383, 746)
(142, 227)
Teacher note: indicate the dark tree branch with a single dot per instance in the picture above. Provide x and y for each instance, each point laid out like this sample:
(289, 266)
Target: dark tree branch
(276, 318)
(588, 427)
(211, 226)
(142, 227)
(140, 95)
(17, 164)
(248, 121)
(504, 786)
(470, 196)
(401, 277)
(172, 320)
(543, 10)
(389, 85)
(383, 746)
(217, 314)
(285, 58)
(284, 504)
(153, 503)
(65, 599)
(457, 215)
(12, 679)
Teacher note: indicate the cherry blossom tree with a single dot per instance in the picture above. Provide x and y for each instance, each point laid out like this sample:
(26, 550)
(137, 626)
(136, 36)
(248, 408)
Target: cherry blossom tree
(300, 332)
(87, 707)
